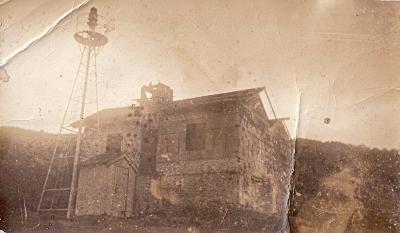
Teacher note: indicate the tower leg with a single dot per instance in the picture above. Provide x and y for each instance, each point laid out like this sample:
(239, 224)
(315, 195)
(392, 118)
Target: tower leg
(74, 182)
(45, 184)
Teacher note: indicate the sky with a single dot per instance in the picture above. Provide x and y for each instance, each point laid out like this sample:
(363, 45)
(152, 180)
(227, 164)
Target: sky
(317, 59)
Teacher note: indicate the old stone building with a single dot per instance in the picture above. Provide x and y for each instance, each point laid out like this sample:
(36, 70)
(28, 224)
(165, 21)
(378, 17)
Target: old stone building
(225, 149)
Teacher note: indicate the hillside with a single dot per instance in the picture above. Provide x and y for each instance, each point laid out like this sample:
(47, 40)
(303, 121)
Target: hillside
(24, 159)
(344, 188)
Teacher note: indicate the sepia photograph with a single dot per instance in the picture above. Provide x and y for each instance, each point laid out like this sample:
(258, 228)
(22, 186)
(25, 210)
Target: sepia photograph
(175, 116)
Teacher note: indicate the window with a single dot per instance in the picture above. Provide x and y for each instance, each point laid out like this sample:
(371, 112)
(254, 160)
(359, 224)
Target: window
(170, 144)
(114, 143)
(195, 136)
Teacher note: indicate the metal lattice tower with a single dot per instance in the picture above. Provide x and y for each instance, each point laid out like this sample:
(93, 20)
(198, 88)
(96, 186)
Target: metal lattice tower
(60, 185)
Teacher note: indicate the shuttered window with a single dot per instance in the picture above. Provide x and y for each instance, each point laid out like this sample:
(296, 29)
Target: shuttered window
(196, 136)
(114, 143)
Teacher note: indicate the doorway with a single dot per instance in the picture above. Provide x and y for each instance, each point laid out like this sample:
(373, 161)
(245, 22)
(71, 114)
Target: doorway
(119, 205)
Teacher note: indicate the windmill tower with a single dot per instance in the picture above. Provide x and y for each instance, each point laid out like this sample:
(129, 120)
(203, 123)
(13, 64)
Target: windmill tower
(60, 185)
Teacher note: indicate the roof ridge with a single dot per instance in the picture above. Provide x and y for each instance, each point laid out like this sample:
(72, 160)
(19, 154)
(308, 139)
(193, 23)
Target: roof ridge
(258, 89)
(198, 99)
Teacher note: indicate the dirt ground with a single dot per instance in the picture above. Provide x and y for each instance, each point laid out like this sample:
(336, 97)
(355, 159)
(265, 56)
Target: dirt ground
(98, 225)
(92, 229)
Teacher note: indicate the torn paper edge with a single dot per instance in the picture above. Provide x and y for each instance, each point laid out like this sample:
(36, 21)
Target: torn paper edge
(28, 44)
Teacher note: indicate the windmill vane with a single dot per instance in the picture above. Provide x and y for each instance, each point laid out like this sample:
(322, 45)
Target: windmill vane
(90, 37)
(92, 18)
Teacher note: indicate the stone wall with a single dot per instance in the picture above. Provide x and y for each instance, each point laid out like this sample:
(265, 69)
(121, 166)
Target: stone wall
(204, 175)
(203, 190)
(138, 128)
(265, 162)
(221, 133)
(129, 126)
(147, 197)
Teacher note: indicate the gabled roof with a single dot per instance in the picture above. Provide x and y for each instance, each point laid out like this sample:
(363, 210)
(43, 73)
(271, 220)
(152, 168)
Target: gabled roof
(105, 114)
(221, 97)
(124, 111)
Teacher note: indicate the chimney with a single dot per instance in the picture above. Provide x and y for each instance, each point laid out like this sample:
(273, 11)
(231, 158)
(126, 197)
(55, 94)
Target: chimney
(156, 95)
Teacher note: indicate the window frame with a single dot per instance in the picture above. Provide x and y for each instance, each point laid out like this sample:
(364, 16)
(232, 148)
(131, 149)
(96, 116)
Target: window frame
(111, 140)
(196, 136)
